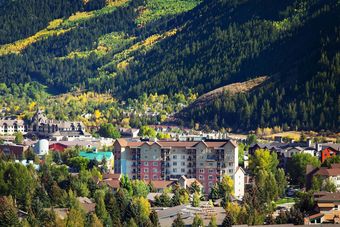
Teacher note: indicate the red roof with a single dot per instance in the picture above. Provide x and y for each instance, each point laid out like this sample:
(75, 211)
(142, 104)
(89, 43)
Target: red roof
(177, 143)
(329, 197)
(113, 176)
(314, 216)
(110, 183)
(184, 144)
(160, 184)
(333, 171)
(215, 144)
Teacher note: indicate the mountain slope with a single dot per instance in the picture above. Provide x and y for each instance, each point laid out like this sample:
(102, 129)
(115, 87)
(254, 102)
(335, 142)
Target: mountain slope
(296, 44)
(128, 48)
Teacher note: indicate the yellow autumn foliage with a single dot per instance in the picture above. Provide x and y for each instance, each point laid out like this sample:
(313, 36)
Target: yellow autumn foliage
(97, 114)
(20, 45)
(116, 3)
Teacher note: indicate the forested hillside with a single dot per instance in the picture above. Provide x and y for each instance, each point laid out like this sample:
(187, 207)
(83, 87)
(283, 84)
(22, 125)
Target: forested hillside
(128, 48)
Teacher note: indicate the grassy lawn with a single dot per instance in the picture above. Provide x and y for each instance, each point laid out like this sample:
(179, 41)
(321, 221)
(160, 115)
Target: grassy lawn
(285, 200)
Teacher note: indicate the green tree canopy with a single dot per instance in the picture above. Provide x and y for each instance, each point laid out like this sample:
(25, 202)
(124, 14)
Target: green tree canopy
(297, 166)
(263, 160)
(109, 131)
(147, 131)
(19, 138)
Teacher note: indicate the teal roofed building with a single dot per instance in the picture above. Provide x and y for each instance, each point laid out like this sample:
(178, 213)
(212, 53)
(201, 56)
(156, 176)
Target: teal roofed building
(99, 156)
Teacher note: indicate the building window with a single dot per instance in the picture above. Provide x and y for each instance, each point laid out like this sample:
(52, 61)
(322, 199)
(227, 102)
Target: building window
(201, 164)
(200, 177)
(174, 156)
(183, 170)
(211, 170)
(210, 177)
(146, 170)
(183, 156)
(210, 184)
(155, 170)
(146, 163)
(155, 177)
(155, 163)
(174, 164)
(231, 164)
(145, 157)
(230, 171)
(174, 170)
(183, 163)
(210, 163)
(201, 170)
(146, 177)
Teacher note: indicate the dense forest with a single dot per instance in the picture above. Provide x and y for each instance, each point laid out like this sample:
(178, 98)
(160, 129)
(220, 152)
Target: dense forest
(129, 48)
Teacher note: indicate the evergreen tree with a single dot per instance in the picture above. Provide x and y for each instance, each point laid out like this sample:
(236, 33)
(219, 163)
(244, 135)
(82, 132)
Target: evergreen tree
(227, 221)
(198, 221)
(178, 222)
(196, 200)
(212, 222)
(154, 219)
(8, 213)
(94, 221)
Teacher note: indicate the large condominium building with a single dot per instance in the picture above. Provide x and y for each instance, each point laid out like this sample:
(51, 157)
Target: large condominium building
(206, 160)
(41, 126)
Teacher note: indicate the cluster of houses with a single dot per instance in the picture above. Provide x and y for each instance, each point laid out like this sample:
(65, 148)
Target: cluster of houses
(285, 151)
(40, 126)
(202, 159)
(327, 208)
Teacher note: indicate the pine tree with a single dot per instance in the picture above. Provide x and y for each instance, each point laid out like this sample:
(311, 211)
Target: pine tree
(197, 222)
(8, 213)
(178, 222)
(154, 219)
(227, 221)
(196, 200)
(212, 222)
(94, 221)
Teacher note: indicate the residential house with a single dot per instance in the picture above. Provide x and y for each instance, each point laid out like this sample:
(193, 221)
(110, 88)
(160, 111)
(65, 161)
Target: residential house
(185, 182)
(160, 185)
(12, 125)
(13, 150)
(129, 132)
(327, 209)
(329, 150)
(100, 143)
(111, 180)
(239, 182)
(285, 151)
(325, 173)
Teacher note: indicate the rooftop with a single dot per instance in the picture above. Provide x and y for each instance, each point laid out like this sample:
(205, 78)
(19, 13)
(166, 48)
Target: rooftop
(182, 144)
(99, 156)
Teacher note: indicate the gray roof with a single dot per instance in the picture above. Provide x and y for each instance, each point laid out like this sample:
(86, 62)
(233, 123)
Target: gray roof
(11, 121)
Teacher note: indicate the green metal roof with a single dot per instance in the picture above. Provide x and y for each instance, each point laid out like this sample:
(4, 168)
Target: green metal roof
(99, 156)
